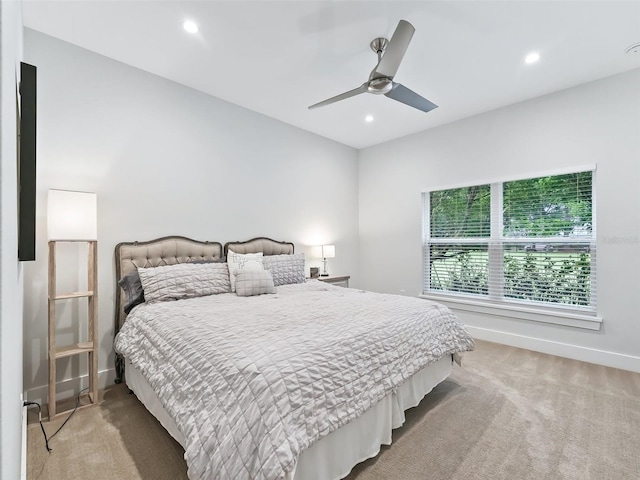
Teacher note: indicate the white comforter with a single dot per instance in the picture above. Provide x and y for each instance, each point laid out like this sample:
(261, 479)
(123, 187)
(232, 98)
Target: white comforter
(253, 381)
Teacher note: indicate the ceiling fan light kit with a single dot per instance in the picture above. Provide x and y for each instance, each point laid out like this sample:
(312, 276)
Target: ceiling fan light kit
(390, 54)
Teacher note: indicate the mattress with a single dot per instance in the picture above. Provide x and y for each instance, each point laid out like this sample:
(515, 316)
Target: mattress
(351, 444)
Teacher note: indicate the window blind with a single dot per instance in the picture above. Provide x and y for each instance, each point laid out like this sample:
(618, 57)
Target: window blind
(529, 241)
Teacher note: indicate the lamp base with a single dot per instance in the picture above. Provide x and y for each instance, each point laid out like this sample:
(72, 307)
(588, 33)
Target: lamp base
(325, 272)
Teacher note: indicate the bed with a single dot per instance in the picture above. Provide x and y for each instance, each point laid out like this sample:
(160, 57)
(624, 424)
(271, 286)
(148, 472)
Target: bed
(303, 383)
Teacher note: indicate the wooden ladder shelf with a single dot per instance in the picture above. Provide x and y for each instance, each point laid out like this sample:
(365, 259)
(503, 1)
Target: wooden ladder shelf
(90, 347)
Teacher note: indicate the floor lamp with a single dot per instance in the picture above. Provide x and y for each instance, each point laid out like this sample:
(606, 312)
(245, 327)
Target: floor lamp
(71, 217)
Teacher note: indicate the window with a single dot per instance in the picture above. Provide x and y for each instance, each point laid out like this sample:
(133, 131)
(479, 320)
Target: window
(524, 241)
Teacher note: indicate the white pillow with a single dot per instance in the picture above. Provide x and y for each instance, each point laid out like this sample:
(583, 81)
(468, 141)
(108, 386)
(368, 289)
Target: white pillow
(242, 261)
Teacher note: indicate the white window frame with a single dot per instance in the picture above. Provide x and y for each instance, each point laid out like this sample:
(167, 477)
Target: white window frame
(494, 302)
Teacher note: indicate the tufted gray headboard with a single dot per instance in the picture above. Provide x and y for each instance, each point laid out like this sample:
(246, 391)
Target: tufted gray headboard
(260, 244)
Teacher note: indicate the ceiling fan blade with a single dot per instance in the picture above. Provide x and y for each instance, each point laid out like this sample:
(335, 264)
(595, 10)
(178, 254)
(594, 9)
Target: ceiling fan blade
(411, 98)
(351, 93)
(395, 50)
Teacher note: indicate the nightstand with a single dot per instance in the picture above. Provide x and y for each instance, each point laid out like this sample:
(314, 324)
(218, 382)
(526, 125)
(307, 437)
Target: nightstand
(340, 281)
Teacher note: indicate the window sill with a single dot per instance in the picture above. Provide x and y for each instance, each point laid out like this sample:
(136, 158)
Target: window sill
(556, 317)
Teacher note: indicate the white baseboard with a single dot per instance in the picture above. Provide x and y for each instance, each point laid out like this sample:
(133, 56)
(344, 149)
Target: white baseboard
(585, 354)
(70, 387)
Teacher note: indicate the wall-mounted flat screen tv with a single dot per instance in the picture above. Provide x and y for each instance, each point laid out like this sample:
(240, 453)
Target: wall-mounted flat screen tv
(27, 164)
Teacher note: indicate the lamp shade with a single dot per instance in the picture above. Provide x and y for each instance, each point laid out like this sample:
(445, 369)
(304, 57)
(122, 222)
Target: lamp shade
(72, 215)
(328, 251)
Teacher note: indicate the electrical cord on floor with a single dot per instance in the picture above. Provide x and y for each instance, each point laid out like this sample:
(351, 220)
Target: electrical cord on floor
(47, 440)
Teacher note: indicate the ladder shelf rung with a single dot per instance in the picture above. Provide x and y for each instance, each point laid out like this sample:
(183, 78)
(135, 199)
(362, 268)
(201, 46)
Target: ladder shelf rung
(73, 295)
(75, 349)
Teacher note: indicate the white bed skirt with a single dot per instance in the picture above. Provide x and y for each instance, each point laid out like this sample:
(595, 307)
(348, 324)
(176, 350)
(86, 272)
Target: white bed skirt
(346, 447)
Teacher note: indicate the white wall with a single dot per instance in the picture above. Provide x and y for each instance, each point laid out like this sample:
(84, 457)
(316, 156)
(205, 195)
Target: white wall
(165, 159)
(596, 123)
(11, 270)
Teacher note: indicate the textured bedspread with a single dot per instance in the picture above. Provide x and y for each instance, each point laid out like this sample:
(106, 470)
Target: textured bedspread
(253, 381)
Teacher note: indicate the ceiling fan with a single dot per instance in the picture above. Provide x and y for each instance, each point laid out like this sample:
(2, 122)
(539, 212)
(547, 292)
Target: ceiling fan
(381, 78)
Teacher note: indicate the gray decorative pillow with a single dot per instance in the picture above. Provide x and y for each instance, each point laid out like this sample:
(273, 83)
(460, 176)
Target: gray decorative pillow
(285, 269)
(254, 282)
(133, 291)
(184, 280)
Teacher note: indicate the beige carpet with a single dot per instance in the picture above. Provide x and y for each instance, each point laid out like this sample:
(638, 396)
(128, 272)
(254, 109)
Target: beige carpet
(507, 414)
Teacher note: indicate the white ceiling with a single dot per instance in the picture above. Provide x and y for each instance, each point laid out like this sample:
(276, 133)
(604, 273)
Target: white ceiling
(278, 57)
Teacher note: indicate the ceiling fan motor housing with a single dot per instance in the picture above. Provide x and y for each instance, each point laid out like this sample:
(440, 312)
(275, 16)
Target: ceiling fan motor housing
(380, 85)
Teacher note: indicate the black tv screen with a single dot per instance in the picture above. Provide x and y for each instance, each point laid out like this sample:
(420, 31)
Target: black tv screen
(27, 164)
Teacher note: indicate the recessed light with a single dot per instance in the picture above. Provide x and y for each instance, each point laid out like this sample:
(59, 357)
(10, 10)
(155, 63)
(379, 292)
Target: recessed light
(368, 118)
(533, 57)
(190, 26)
